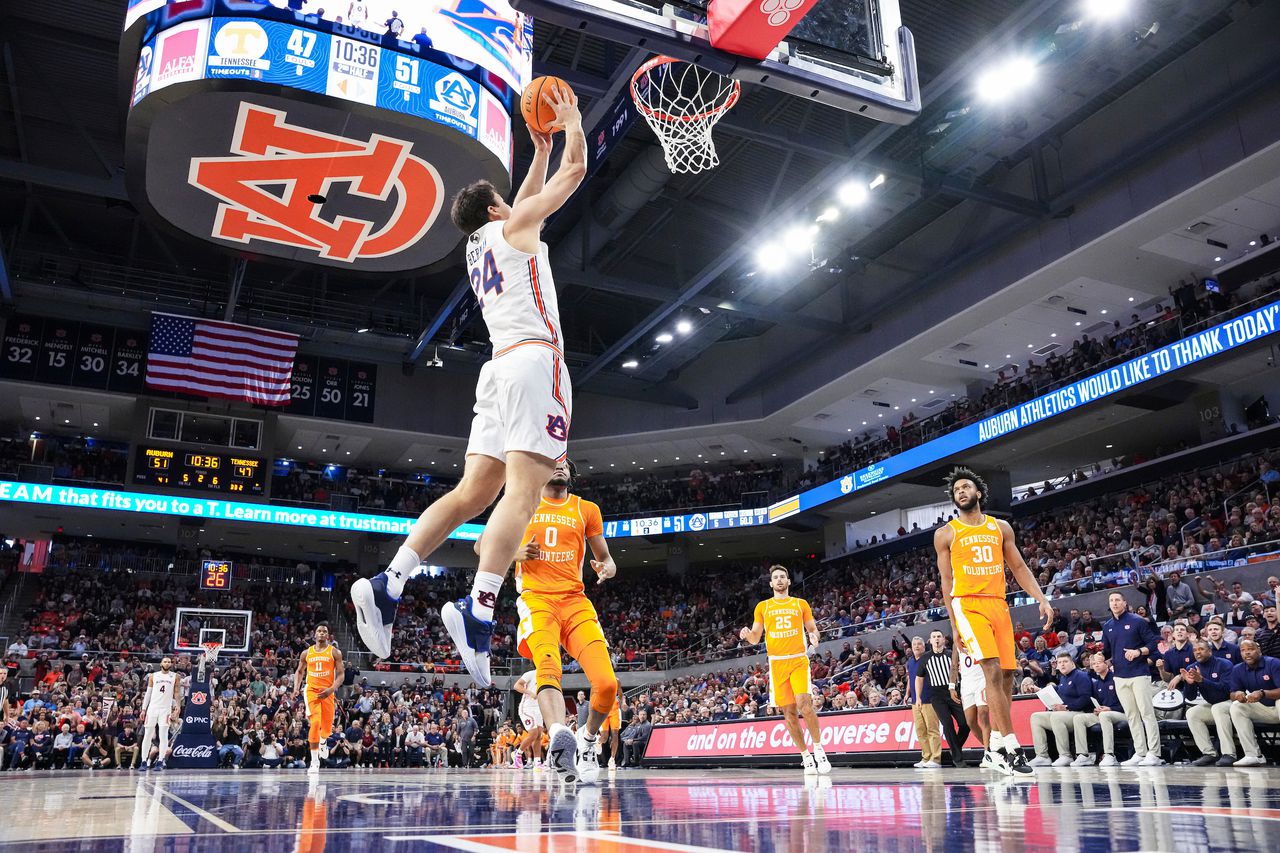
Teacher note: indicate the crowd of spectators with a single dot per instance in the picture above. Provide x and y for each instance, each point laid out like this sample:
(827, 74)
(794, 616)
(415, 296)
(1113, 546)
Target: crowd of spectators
(1014, 385)
(383, 493)
(69, 458)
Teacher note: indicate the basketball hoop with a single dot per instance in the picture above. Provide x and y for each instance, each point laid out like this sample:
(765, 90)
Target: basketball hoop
(210, 658)
(682, 103)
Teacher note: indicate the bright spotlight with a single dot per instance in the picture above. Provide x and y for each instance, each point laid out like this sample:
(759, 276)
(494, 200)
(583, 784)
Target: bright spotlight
(631, 364)
(771, 257)
(1105, 10)
(878, 181)
(854, 193)
(684, 327)
(798, 238)
(664, 338)
(831, 214)
(1006, 79)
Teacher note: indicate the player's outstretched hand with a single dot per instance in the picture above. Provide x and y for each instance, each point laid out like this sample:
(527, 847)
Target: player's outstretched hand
(604, 569)
(744, 634)
(565, 104)
(541, 141)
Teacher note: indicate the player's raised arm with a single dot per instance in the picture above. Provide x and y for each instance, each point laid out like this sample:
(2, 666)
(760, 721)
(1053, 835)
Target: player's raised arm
(1022, 574)
(528, 214)
(536, 178)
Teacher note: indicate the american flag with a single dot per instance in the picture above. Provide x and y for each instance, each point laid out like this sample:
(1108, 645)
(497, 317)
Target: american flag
(209, 358)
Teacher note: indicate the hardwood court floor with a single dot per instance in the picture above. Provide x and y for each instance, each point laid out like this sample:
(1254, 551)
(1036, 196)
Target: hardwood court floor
(1171, 808)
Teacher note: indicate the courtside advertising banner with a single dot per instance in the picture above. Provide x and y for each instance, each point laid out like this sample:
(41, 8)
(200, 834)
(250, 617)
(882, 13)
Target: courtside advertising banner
(861, 732)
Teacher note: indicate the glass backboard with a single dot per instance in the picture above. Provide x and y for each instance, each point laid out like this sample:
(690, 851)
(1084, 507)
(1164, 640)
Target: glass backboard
(851, 54)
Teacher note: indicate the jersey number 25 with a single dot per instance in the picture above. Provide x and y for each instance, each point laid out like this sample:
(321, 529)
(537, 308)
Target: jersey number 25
(487, 281)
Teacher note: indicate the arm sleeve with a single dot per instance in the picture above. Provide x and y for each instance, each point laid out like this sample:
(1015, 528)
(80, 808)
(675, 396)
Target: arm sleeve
(1237, 678)
(1106, 645)
(1150, 638)
(591, 518)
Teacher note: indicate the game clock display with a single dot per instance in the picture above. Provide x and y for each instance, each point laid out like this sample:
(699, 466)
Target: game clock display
(215, 575)
(173, 468)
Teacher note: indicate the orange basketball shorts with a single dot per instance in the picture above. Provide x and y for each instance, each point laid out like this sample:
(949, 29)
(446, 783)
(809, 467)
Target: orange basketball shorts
(788, 678)
(613, 722)
(320, 712)
(548, 622)
(986, 628)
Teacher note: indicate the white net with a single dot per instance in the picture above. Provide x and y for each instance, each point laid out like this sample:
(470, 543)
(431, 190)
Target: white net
(682, 103)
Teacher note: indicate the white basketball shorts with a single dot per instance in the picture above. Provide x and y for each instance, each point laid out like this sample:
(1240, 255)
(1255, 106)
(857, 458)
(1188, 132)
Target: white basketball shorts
(523, 402)
(530, 717)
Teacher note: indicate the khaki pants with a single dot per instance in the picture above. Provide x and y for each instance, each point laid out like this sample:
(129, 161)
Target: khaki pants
(1200, 717)
(1105, 720)
(927, 732)
(1144, 728)
(1060, 722)
(1243, 716)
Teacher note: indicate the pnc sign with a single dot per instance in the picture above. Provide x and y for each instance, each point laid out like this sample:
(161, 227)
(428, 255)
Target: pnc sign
(279, 177)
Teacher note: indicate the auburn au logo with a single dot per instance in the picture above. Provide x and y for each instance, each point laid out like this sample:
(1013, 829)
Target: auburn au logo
(271, 153)
(199, 697)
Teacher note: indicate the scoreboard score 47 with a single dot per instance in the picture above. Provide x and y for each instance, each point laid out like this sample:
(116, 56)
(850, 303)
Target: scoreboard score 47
(215, 574)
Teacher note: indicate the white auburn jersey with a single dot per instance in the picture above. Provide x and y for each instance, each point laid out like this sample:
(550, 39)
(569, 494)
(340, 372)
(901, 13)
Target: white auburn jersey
(515, 290)
(359, 13)
(163, 686)
(528, 705)
(972, 678)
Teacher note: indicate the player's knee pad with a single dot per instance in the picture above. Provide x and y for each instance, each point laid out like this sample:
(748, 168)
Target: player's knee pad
(546, 659)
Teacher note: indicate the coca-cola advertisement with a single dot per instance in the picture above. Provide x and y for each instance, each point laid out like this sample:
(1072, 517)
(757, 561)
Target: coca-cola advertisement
(868, 732)
(194, 748)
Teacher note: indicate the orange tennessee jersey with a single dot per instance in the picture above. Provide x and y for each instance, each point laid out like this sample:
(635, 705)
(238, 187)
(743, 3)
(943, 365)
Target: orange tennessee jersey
(321, 667)
(561, 530)
(977, 559)
(784, 622)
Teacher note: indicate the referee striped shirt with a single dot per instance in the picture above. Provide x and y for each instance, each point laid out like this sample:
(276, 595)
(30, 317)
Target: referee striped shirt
(937, 669)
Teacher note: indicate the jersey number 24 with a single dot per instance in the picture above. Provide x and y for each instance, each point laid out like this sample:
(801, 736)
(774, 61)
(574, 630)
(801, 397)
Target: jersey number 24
(487, 281)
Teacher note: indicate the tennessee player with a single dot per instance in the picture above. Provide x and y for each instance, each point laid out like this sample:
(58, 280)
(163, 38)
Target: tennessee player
(322, 665)
(972, 552)
(554, 612)
(784, 620)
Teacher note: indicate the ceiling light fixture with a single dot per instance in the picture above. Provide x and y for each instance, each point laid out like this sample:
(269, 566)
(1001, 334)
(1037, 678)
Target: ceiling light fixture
(664, 338)
(630, 364)
(684, 327)
(1006, 79)
(853, 193)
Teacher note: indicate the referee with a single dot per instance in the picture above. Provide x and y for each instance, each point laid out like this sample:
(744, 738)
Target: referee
(944, 695)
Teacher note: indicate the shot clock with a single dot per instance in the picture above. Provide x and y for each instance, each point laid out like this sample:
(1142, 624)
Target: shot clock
(215, 574)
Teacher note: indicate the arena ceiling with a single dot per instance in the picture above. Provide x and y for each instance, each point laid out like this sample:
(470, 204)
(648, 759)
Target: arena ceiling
(960, 183)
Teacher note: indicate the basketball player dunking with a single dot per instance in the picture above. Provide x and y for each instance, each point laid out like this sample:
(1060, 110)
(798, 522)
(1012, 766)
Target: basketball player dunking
(972, 553)
(784, 620)
(324, 670)
(523, 403)
(555, 611)
(161, 702)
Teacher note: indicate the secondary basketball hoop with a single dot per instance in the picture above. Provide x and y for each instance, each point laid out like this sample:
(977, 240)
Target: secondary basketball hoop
(682, 103)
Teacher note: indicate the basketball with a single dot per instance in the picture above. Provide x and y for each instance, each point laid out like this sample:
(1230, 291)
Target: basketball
(536, 111)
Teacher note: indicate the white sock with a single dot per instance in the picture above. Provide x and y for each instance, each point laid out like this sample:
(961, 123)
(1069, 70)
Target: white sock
(995, 741)
(484, 594)
(400, 570)
(1011, 743)
(315, 757)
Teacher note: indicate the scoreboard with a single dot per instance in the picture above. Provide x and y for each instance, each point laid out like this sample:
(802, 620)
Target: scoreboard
(348, 68)
(215, 575)
(174, 468)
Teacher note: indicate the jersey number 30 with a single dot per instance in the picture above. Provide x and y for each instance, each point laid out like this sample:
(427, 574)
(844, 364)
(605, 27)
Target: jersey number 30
(983, 555)
(488, 281)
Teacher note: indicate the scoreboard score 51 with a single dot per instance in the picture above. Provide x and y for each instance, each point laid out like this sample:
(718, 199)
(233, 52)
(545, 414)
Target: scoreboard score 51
(206, 472)
(215, 575)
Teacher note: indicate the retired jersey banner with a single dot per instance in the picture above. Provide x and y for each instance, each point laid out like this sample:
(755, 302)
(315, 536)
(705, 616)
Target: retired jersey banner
(863, 732)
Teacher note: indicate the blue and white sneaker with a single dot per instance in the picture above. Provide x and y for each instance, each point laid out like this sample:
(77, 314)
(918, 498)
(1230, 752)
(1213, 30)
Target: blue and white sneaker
(158, 766)
(471, 635)
(375, 613)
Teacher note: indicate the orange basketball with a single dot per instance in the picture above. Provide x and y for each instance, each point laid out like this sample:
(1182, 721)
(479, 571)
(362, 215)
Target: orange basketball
(536, 111)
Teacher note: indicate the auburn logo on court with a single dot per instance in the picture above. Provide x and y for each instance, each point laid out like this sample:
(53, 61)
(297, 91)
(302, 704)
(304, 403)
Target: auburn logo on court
(301, 165)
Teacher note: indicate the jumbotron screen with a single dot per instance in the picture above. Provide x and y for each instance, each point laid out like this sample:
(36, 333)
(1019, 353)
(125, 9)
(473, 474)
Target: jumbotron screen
(488, 33)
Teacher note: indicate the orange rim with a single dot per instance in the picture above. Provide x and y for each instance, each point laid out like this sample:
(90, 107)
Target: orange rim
(668, 117)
